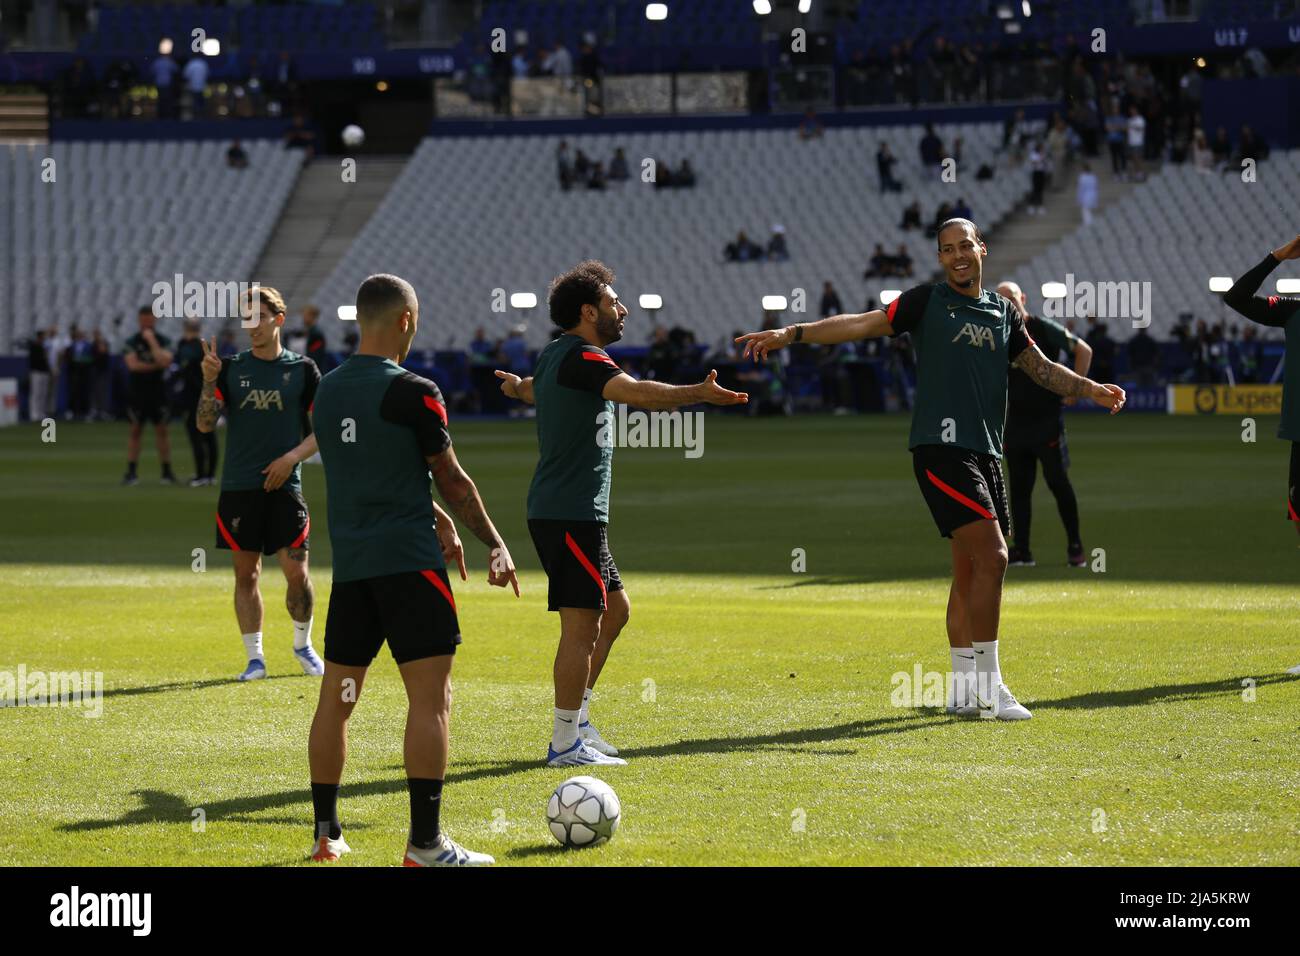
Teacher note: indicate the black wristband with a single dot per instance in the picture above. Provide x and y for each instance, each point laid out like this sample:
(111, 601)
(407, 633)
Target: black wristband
(798, 333)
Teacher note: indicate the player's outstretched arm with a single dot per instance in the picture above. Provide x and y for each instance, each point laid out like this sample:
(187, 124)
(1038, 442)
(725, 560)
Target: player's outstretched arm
(658, 395)
(1273, 310)
(209, 407)
(828, 331)
(462, 497)
(1057, 378)
(512, 386)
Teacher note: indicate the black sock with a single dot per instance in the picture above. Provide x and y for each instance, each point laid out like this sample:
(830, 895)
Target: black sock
(130, 468)
(167, 468)
(426, 801)
(325, 799)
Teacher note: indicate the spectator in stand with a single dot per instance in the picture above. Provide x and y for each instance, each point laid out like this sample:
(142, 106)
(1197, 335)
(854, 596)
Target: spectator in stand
(1250, 146)
(520, 62)
(885, 161)
(902, 263)
(559, 62)
(618, 171)
(236, 157)
(1221, 147)
(684, 178)
(300, 136)
(163, 72)
(581, 165)
(597, 178)
(960, 210)
(776, 247)
(1086, 193)
(880, 265)
(56, 344)
(1038, 178)
(592, 70)
(77, 88)
(118, 80)
(931, 147)
(1116, 137)
(941, 215)
(196, 83)
(564, 165)
(226, 346)
(810, 127)
(664, 178)
(101, 379)
(1250, 355)
(282, 82)
(742, 250)
(38, 376)
(1143, 357)
(1202, 157)
(830, 304)
(1058, 144)
(483, 359)
(911, 216)
(1137, 138)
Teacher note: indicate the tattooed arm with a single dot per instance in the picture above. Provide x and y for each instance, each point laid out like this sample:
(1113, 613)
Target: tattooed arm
(209, 407)
(1057, 378)
(462, 497)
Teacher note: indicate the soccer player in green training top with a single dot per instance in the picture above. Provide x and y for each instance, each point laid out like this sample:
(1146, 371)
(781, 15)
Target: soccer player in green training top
(267, 391)
(574, 386)
(1036, 433)
(381, 431)
(1281, 312)
(965, 339)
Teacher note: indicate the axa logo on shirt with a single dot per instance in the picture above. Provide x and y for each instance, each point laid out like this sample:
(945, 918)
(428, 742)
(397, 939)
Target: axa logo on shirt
(263, 399)
(976, 335)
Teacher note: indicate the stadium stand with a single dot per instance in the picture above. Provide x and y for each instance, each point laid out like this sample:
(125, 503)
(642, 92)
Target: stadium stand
(457, 241)
(1176, 230)
(124, 216)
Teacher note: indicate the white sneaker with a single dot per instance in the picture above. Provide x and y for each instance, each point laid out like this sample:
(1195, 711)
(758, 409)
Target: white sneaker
(446, 852)
(328, 851)
(311, 663)
(592, 738)
(1294, 670)
(579, 755)
(255, 670)
(1004, 706)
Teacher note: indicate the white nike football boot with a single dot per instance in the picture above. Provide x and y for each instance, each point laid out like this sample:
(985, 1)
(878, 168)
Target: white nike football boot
(446, 852)
(1003, 706)
(592, 738)
(579, 755)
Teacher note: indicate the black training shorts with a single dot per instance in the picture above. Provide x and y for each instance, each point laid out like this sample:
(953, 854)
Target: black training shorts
(265, 521)
(961, 486)
(578, 565)
(414, 611)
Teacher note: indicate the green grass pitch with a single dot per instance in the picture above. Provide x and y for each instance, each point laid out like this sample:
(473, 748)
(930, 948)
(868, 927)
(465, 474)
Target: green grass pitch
(753, 701)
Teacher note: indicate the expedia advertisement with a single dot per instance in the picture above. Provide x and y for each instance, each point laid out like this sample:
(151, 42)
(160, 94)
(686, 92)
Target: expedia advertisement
(1225, 399)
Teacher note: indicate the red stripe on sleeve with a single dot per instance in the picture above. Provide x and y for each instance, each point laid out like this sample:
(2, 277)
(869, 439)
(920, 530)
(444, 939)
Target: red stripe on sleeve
(434, 405)
(597, 357)
(893, 307)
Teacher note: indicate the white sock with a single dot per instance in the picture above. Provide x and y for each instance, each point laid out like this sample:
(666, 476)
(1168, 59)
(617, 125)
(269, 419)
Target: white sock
(586, 704)
(987, 673)
(565, 733)
(302, 634)
(963, 669)
(253, 645)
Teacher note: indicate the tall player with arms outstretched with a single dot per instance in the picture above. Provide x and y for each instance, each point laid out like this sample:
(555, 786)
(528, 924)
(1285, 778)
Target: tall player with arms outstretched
(1280, 312)
(966, 338)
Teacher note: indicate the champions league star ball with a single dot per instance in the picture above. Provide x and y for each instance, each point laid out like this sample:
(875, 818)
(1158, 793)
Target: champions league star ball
(583, 811)
(353, 135)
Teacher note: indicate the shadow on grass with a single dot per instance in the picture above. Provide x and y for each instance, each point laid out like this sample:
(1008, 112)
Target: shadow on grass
(187, 685)
(551, 849)
(161, 807)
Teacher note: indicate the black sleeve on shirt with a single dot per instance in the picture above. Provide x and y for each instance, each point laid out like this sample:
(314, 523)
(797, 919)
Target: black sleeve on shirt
(1274, 310)
(905, 312)
(223, 389)
(416, 403)
(588, 369)
(1019, 339)
(311, 378)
